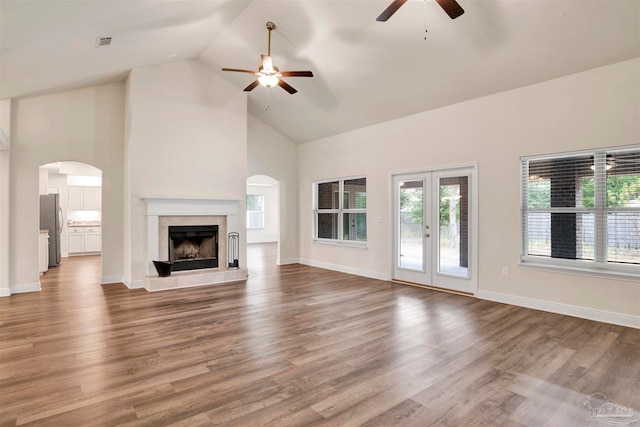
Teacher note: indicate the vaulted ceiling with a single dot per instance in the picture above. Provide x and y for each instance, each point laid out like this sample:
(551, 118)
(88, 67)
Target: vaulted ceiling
(365, 71)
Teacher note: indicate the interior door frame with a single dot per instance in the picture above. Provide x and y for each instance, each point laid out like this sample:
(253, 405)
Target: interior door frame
(469, 169)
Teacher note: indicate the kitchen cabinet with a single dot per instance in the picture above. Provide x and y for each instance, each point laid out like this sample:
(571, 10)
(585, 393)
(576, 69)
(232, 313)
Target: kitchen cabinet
(84, 198)
(84, 240)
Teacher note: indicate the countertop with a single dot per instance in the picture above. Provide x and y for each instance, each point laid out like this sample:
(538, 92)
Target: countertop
(84, 224)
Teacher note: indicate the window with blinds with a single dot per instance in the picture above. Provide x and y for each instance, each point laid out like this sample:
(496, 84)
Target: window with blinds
(583, 210)
(341, 210)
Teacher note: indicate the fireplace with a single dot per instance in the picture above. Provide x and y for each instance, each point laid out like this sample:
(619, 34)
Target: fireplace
(193, 247)
(162, 213)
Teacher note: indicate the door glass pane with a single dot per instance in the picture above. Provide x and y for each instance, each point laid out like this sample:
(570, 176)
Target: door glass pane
(411, 227)
(453, 221)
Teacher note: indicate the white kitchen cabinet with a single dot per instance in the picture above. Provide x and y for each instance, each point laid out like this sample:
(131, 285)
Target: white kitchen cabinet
(92, 242)
(76, 242)
(91, 198)
(84, 198)
(76, 199)
(84, 240)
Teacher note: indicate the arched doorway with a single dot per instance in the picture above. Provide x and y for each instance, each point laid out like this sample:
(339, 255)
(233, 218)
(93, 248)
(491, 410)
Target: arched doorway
(70, 212)
(263, 213)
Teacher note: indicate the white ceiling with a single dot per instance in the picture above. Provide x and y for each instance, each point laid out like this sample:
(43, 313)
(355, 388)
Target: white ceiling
(365, 71)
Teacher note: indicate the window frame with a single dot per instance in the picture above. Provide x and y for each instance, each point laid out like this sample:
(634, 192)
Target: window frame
(599, 266)
(262, 227)
(340, 213)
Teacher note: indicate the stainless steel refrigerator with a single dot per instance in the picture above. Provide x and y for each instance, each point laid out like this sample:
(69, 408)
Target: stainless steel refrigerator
(51, 219)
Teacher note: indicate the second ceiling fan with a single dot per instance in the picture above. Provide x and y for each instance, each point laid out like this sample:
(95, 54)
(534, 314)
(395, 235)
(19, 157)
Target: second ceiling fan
(452, 8)
(268, 74)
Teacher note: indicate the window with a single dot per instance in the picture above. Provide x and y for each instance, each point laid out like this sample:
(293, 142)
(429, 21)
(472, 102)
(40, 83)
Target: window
(582, 211)
(341, 210)
(255, 211)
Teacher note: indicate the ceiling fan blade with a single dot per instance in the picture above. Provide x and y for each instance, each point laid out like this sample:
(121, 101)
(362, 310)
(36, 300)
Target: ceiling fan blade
(237, 70)
(296, 73)
(267, 64)
(286, 86)
(390, 10)
(452, 8)
(252, 86)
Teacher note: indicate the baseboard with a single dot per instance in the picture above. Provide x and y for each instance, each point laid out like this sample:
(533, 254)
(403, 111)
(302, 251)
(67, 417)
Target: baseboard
(105, 280)
(134, 284)
(345, 269)
(5, 292)
(288, 261)
(27, 287)
(561, 308)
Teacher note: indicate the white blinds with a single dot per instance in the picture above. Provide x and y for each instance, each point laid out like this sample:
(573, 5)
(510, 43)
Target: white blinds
(582, 207)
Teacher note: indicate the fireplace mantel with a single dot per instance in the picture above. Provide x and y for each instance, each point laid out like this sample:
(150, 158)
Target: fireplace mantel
(165, 206)
(171, 206)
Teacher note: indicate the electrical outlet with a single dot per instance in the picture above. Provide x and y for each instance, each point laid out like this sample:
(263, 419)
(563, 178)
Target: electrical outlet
(505, 271)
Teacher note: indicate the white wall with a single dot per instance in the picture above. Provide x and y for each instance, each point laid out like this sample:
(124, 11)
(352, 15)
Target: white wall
(85, 125)
(186, 137)
(593, 109)
(273, 154)
(267, 187)
(5, 135)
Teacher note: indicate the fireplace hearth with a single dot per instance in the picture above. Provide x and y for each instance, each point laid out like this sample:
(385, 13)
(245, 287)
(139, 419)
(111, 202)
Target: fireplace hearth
(193, 247)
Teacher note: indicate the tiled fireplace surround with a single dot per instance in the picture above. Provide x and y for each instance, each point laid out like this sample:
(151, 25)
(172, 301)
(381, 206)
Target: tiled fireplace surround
(163, 212)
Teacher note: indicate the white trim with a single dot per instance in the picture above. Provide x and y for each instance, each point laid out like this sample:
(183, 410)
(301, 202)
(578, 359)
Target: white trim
(5, 292)
(27, 287)
(582, 268)
(561, 308)
(264, 240)
(345, 269)
(288, 261)
(344, 243)
(134, 284)
(565, 154)
(4, 141)
(105, 280)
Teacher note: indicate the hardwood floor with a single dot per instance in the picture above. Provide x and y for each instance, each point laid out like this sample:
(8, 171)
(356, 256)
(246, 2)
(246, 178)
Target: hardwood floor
(299, 346)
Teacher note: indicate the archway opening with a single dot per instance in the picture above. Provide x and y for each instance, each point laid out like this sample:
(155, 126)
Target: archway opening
(70, 213)
(263, 220)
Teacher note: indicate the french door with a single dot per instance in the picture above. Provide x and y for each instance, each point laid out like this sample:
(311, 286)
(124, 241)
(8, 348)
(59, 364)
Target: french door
(435, 232)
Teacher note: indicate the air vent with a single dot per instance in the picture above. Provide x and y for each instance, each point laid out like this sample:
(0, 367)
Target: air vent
(103, 41)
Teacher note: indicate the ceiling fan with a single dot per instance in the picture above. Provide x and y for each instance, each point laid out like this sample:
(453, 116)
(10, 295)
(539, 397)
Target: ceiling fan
(452, 8)
(268, 74)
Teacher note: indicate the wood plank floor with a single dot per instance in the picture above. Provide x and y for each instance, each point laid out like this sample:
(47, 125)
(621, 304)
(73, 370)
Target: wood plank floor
(299, 346)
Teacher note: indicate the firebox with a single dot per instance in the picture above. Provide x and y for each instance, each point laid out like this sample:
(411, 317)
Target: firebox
(193, 247)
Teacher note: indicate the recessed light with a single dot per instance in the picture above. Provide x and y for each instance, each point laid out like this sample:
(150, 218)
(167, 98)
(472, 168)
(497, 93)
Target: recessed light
(172, 55)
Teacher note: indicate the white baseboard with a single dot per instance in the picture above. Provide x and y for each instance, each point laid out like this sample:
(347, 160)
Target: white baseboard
(134, 284)
(27, 287)
(105, 280)
(5, 292)
(288, 261)
(345, 269)
(561, 308)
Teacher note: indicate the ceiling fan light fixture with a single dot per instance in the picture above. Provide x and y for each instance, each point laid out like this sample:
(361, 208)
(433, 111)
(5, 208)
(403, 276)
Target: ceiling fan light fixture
(268, 81)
